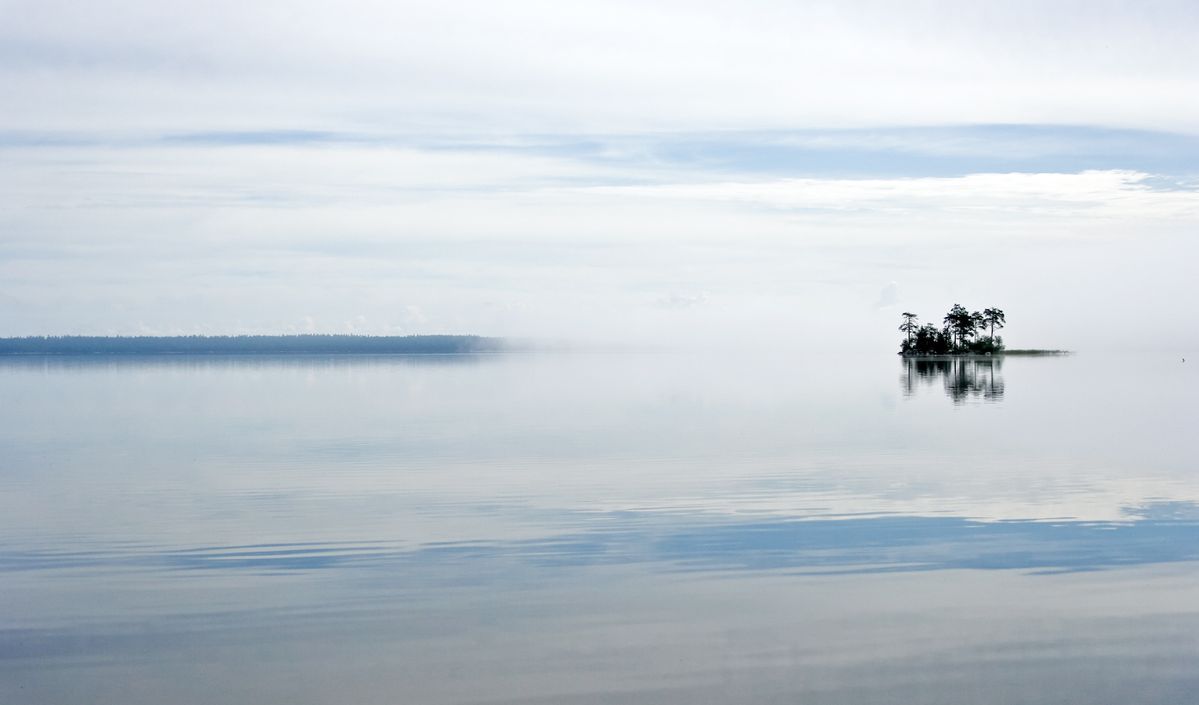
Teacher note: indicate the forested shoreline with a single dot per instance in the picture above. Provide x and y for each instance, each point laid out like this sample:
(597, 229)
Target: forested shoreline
(306, 344)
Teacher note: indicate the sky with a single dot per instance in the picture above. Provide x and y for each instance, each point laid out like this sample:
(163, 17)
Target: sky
(700, 173)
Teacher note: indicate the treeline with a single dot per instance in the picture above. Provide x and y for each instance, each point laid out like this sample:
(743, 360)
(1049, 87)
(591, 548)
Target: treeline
(962, 332)
(250, 345)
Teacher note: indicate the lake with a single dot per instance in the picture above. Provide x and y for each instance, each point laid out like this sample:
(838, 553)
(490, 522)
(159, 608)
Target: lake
(586, 528)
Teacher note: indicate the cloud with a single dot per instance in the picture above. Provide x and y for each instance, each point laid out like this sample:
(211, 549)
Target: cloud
(679, 301)
(543, 243)
(530, 168)
(1090, 193)
(887, 296)
(528, 66)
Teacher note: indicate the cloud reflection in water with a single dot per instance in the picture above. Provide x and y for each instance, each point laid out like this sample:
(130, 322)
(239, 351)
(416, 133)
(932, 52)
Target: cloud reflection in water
(873, 544)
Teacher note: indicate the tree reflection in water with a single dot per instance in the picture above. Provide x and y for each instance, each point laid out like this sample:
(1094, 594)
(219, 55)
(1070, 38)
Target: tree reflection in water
(963, 378)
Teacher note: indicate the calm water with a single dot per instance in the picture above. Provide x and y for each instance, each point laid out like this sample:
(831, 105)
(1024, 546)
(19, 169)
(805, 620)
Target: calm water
(599, 529)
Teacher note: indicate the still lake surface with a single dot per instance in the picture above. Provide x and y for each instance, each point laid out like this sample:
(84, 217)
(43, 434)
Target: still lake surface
(664, 528)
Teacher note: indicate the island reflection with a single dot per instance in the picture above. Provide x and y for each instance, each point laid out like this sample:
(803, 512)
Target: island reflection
(962, 378)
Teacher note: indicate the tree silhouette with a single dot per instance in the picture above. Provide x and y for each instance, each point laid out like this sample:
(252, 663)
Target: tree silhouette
(909, 325)
(993, 317)
(961, 323)
(962, 333)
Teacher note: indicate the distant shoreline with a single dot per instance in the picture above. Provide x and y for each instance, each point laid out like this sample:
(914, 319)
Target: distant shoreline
(305, 344)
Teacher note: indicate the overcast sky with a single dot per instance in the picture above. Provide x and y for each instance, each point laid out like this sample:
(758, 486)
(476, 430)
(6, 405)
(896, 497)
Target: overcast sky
(686, 171)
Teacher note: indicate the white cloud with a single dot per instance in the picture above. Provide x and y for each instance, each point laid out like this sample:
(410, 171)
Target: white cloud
(528, 65)
(887, 296)
(680, 301)
(1113, 193)
(540, 246)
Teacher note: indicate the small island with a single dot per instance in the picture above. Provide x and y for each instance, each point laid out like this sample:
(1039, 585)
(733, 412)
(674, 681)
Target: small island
(963, 332)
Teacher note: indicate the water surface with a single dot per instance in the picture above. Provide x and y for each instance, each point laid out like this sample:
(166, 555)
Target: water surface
(598, 529)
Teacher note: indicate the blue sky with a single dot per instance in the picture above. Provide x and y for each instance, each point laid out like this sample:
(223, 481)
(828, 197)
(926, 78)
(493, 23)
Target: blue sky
(646, 171)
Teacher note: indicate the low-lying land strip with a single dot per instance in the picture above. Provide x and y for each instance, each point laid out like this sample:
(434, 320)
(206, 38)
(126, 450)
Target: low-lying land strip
(251, 345)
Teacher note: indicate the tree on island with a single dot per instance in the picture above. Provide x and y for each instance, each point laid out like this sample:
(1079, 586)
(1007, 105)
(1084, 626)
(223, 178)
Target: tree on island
(962, 333)
(992, 317)
(961, 322)
(930, 341)
(909, 325)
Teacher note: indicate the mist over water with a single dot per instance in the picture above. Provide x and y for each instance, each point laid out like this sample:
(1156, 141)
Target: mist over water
(581, 528)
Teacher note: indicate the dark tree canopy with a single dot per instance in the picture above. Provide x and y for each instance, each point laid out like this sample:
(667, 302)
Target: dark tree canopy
(963, 331)
(993, 318)
(909, 324)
